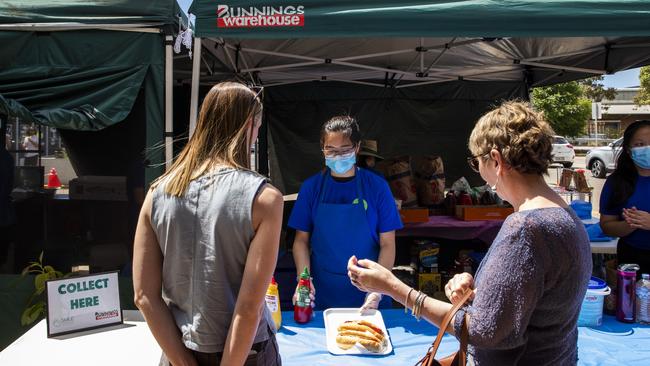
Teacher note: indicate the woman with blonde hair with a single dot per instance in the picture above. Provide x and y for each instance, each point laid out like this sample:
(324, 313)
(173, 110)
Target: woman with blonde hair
(529, 287)
(207, 241)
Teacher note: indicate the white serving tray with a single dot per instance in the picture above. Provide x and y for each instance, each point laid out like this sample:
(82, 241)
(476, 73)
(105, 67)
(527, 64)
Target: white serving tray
(336, 316)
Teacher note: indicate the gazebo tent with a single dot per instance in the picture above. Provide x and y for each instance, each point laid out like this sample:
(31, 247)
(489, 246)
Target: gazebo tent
(80, 65)
(417, 74)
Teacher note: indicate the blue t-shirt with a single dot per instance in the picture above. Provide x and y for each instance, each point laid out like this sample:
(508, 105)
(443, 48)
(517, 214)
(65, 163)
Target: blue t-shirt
(381, 211)
(640, 199)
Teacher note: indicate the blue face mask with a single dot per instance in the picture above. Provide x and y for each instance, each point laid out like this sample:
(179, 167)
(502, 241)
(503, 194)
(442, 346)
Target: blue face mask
(341, 164)
(641, 156)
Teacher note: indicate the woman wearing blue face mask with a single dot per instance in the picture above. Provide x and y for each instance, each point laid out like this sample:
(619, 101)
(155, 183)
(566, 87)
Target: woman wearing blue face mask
(342, 211)
(625, 200)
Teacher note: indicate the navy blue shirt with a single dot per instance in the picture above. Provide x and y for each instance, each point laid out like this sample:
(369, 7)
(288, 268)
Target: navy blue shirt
(381, 210)
(640, 199)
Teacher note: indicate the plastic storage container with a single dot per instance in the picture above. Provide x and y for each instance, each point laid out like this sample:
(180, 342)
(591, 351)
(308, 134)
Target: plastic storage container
(591, 312)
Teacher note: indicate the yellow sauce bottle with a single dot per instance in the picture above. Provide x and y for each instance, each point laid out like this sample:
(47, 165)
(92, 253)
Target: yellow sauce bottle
(273, 303)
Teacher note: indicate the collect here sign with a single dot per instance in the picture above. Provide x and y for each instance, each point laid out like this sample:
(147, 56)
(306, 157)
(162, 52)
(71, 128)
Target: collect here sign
(82, 303)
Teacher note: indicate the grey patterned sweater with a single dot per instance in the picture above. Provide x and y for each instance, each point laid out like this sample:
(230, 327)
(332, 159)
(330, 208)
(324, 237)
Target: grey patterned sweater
(530, 286)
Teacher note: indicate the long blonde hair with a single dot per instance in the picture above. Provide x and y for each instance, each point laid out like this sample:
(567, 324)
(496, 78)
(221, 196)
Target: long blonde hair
(220, 138)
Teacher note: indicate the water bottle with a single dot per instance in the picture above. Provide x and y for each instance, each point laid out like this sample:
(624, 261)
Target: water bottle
(625, 296)
(643, 299)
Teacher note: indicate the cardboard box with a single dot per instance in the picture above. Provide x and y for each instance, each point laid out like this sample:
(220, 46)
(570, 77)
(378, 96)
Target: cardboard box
(429, 283)
(101, 188)
(476, 213)
(414, 215)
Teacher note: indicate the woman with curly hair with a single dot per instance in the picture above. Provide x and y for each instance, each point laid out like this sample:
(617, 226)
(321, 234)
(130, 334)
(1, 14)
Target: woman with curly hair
(529, 288)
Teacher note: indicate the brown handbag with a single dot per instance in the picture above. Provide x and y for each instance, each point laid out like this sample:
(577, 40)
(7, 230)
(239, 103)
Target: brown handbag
(458, 358)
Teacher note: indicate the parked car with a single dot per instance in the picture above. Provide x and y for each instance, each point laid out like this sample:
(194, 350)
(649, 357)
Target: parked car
(602, 160)
(562, 152)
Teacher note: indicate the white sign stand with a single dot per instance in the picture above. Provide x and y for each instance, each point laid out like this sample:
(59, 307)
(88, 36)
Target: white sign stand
(82, 303)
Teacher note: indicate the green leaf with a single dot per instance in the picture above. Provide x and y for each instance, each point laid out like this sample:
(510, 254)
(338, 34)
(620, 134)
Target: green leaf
(48, 269)
(40, 258)
(31, 268)
(39, 281)
(32, 313)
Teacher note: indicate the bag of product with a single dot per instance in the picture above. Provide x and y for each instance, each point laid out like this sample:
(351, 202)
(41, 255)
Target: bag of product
(429, 175)
(398, 174)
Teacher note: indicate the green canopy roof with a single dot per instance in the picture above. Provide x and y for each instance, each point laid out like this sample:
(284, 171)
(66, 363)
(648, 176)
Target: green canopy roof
(89, 11)
(478, 18)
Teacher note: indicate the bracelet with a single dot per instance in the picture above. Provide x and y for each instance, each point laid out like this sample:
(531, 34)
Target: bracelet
(416, 304)
(417, 311)
(406, 301)
(424, 297)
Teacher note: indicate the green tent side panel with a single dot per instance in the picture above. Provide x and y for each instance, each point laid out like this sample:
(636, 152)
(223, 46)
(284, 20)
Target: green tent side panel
(478, 18)
(84, 80)
(155, 99)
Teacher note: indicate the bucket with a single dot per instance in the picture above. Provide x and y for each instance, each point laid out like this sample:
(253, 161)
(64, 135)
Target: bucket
(591, 312)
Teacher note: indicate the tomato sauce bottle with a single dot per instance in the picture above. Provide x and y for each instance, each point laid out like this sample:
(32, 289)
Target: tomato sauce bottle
(302, 311)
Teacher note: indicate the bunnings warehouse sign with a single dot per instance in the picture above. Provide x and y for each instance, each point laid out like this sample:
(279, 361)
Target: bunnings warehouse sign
(82, 303)
(260, 16)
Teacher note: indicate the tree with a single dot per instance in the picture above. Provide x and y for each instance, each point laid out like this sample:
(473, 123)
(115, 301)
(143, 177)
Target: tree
(565, 107)
(644, 93)
(595, 90)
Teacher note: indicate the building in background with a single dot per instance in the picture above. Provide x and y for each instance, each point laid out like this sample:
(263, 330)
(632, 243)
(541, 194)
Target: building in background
(617, 114)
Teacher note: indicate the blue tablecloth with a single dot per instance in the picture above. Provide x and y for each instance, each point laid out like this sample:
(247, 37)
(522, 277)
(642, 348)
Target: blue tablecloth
(613, 343)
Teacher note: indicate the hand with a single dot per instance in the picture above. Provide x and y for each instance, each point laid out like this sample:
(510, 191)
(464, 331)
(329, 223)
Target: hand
(637, 219)
(369, 276)
(371, 303)
(312, 293)
(457, 286)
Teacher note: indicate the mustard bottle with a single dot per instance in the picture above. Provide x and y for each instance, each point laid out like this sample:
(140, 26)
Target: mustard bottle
(273, 303)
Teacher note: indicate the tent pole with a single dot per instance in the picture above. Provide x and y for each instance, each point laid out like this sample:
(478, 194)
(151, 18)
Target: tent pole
(169, 102)
(196, 69)
(287, 66)
(562, 67)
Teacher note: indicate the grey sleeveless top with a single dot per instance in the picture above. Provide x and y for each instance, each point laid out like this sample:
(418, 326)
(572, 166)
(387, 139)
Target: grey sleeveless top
(204, 237)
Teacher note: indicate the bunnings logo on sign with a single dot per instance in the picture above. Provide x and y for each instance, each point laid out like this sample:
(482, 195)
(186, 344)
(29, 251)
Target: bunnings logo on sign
(260, 16)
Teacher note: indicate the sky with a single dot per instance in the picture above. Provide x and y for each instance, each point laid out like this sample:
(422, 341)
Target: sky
(622, 79)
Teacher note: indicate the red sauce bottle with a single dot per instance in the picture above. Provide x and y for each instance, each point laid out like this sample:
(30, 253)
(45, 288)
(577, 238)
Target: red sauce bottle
(302, 311)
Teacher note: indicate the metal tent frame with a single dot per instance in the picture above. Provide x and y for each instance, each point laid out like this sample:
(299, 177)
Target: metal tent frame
(407, 62)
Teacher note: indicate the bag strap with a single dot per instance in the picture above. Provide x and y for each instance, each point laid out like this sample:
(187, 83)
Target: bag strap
(445, 324)
(464, 335)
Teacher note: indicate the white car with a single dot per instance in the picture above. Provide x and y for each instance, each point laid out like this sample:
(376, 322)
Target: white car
(563, 152)
(602, 160)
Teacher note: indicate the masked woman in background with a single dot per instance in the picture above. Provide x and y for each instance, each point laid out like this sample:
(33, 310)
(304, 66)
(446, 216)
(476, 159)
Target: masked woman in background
(625, 199)
(341, 211)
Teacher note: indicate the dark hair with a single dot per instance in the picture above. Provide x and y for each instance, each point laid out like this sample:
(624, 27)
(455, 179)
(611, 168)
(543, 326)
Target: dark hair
(626, 174)
(343, 124)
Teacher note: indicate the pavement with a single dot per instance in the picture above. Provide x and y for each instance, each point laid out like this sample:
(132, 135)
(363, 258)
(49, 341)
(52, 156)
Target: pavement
(596, 183)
